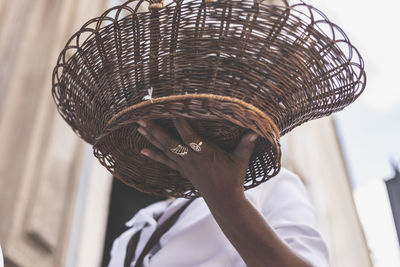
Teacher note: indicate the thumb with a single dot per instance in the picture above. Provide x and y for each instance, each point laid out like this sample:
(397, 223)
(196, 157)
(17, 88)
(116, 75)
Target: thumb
(245, 147)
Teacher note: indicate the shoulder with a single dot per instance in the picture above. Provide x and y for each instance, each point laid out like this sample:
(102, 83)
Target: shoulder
(284, 185)
(283, 198)
(286, 206)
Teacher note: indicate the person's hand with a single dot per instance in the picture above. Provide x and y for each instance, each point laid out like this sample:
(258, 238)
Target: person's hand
(219, 176)
(214, 172)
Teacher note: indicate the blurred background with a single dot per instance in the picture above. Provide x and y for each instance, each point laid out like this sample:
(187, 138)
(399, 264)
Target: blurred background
(60, 207)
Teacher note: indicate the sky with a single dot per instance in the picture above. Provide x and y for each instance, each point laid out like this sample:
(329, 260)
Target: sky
(369, 129)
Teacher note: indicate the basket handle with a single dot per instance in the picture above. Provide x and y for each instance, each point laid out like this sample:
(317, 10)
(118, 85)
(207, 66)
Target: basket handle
(154, 7)
(285, 2)
(156, 4)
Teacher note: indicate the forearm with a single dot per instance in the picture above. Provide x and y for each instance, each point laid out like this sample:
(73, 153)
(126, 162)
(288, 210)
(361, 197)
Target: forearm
(250, 234)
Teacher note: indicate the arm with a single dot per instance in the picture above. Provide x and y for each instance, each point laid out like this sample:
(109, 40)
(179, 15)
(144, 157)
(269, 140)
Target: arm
(219, 176)
(247, 230)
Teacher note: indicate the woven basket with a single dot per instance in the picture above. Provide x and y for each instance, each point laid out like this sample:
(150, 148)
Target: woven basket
(226, 66)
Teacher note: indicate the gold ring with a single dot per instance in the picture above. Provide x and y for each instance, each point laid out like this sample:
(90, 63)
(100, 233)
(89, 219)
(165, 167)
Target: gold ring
(196, 147)
(180, 150)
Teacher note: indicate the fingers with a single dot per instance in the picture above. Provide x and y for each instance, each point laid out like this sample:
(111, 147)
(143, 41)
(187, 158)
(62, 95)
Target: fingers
(159, 138)
(245, 147)
(187, 133)
(160, 157)
(151, 139)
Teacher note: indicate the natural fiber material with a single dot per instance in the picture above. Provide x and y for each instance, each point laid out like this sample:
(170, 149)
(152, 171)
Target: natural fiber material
(227, 66)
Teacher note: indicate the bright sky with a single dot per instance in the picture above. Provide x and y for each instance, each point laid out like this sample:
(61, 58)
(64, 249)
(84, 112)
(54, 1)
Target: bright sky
(370, 127)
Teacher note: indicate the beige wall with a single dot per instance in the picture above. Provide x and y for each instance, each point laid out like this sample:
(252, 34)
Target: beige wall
(40, 157)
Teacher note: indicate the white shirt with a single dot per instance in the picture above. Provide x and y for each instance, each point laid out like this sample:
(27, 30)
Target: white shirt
(196, 240)
(1, 258)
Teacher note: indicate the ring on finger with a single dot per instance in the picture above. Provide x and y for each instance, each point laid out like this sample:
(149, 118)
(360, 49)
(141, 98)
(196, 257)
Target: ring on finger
(180, 150)
(196, 146)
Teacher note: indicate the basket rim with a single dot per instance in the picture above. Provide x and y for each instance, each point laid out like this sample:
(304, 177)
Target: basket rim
(165, 99)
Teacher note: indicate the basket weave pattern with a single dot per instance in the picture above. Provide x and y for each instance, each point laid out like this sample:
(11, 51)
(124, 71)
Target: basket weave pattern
(227, 66)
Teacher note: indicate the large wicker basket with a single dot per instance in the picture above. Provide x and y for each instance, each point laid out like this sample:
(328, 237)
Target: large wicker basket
(227, 66)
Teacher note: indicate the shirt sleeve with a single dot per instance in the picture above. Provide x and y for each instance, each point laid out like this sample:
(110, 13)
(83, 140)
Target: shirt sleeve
(287, 209)
(1, 258)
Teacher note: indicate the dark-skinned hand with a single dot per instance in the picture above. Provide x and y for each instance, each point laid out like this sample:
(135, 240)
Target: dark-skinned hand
(218, 176)
(212, 170)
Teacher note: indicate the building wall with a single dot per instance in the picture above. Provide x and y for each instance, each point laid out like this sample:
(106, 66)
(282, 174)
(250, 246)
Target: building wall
(40, 157)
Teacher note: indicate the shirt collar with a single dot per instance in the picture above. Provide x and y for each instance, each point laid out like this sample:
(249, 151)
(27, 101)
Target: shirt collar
(148, 214)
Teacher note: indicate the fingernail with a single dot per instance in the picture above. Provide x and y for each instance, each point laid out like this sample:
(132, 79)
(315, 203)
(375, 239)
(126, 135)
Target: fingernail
(253, 137)
(142, 131)
(142, 123)
(144, 152)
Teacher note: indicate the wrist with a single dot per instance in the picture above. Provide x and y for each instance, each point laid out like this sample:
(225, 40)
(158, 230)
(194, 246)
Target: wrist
(225, 203)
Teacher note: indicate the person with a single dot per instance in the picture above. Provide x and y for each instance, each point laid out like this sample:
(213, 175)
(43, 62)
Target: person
(272, 224)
